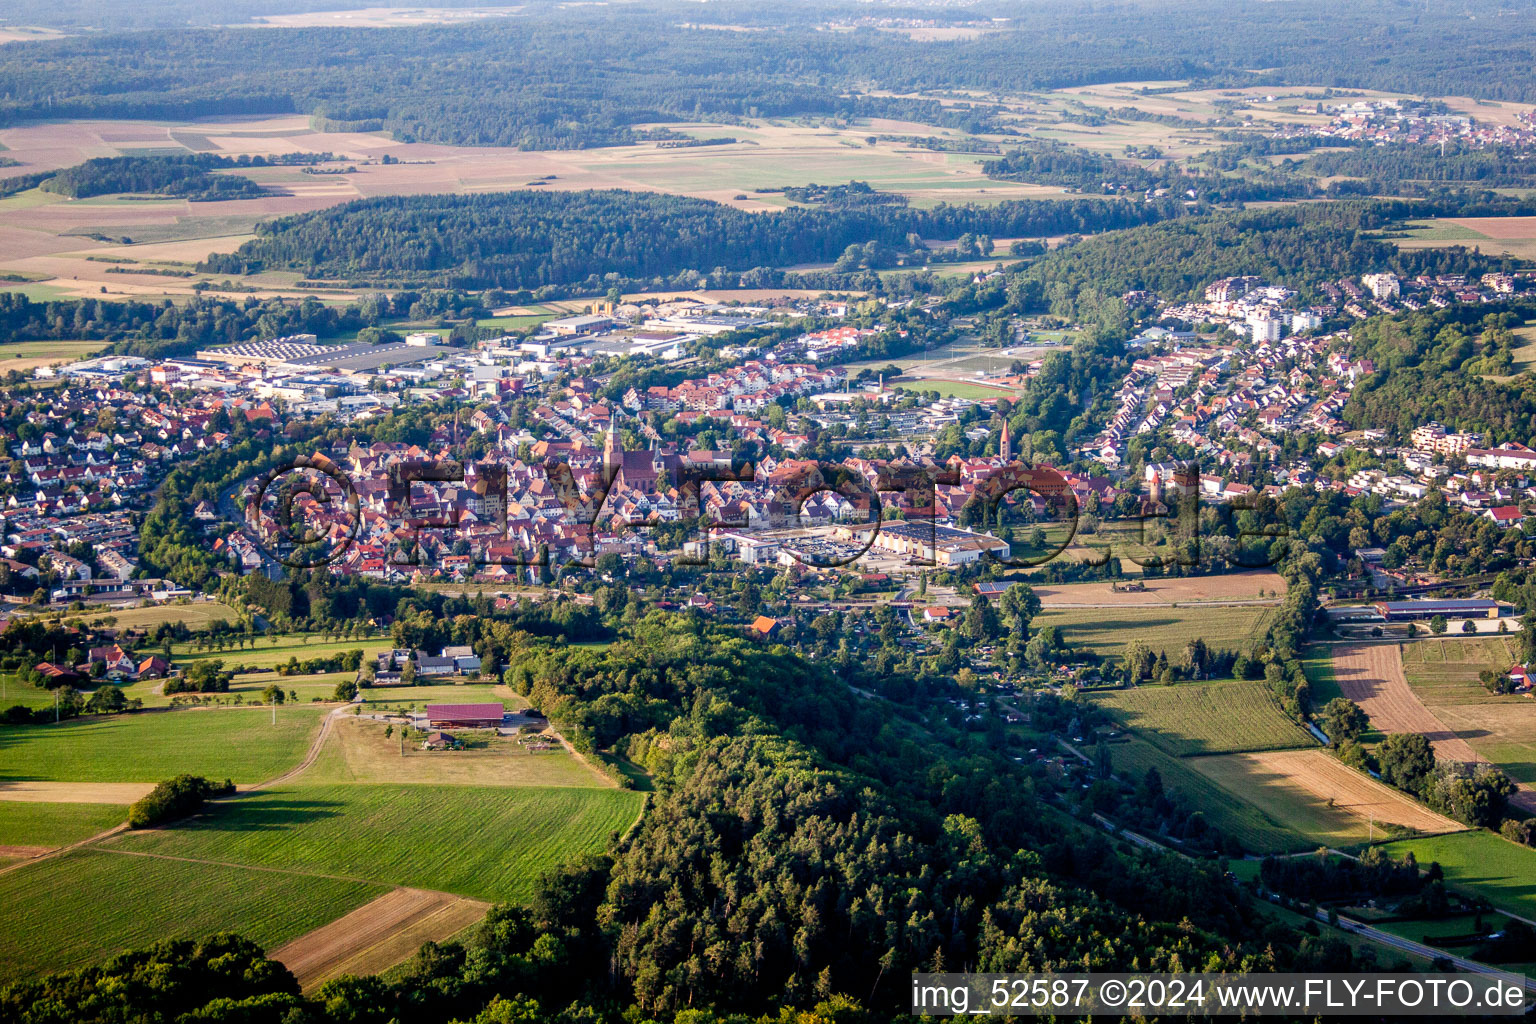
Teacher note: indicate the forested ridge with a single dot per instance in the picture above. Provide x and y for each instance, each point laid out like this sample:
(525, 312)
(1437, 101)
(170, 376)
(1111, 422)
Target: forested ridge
(530, 239)
(1300, 246)
(577, 77)
(806, 847)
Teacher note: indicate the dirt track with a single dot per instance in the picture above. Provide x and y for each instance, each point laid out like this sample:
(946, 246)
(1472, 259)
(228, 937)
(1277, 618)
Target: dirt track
(377, 935)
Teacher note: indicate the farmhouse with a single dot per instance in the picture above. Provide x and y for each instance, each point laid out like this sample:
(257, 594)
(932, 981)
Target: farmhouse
(464, 716)
(430, 666)
(1473, 608)
(56, 675)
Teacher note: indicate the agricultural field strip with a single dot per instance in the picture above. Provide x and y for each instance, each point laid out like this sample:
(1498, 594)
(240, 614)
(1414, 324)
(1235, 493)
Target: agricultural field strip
(1371, 675)
(1206, 718)
(372, 932)
(101, 844)
(1318, 775)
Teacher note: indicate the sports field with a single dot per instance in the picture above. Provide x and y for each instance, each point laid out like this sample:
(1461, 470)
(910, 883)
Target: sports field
(1206, 718)
(150, 746)
(83, 906)
(1481, 862)
(441, 693)
(416, 836)
(1106, 631)
(1262, 585)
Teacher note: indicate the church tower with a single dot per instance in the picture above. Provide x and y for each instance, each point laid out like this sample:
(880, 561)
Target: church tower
(613, 455)
(1005, 446)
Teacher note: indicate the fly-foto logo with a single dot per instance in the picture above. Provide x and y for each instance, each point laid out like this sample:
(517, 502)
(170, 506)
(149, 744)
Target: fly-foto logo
(306, 514)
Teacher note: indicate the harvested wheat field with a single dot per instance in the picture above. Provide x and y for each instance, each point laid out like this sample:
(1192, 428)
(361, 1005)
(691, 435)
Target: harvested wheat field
(1240, 586)
(377, 935)
(75, 792)
(1372, 676)
(1318, 775)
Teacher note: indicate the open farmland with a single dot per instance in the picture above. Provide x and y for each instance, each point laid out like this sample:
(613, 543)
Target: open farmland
(1319, 793)
(377, 935)
(403, 835)
(1371, 675)
(1514, 236)
(271, 651)
(51, 238)
(1263, 585)
(1259, 830)
(1501, 728)
(1482, 863)
(86, 905)
(1205, 718)
(149, 746)
(194, 615)
(1107, 631)
(26, 356)
(27, 823)
(358, 751)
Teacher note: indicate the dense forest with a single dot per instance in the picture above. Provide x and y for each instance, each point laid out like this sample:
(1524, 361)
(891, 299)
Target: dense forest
(1432, 366)
(528, 240)
(585, 76)
(1088, 171)
(806, 848)
(1302, 246)
(1486, 168)
(188, 177)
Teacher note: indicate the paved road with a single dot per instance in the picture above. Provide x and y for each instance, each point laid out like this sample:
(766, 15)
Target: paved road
(1418, 948)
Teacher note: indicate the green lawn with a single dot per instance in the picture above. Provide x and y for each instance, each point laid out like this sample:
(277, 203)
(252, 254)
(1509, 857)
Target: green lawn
(1206, 718)
(515, 323)
(24, 823)
(263, 653)
(85, 906)
(1318, 665)
(1106, 631)
(955, 389)
(488, 843)
(151, 746)
(1483, 863)
(197, 615)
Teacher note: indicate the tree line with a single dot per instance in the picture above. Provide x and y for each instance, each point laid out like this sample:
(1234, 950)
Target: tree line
(531, 239)
(587, 76)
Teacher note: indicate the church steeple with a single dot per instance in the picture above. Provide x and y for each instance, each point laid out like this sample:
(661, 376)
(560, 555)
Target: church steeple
(1005, 446)
(613, 454)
